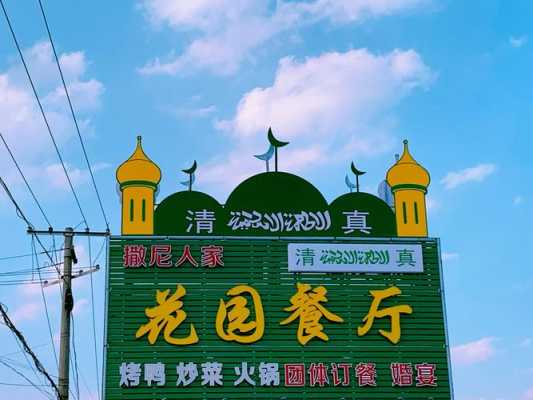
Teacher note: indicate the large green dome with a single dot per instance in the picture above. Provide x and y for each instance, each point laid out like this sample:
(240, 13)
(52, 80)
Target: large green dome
(276, 191)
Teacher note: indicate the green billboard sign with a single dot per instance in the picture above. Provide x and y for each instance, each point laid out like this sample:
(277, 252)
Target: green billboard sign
(224, 318)
(277, 293)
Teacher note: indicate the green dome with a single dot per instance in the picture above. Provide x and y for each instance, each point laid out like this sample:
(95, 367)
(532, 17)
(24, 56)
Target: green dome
(276, 191)
(378, 215)
(173, 216)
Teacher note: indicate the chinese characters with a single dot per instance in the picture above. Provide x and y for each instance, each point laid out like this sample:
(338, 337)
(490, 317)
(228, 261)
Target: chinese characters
(237, 314)
(316, 374)
(161, 256)
(307, 307)
(240, 322)
(167, 316)
(392, 312)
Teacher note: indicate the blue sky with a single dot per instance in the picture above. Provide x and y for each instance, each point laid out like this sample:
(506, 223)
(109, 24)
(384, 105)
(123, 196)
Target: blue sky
(342, 80)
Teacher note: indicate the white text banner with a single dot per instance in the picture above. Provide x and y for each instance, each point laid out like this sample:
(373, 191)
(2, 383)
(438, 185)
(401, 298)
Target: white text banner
(350, 257)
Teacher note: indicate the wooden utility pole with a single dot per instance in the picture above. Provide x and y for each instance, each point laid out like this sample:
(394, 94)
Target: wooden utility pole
(66, 310)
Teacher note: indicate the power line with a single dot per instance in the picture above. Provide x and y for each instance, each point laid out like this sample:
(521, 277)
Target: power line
(28, 255)
(45, 303)
(26, 271)
(27, 379)
(18, 352)
(30, 367)
(27, 348)
(25, 181)
(17, 207)
(75, 360)
(73, 114)
(22, 216)
(42, 113)
(20, 384)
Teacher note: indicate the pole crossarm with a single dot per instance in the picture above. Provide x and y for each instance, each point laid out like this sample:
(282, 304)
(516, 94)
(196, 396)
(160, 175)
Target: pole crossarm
(32, 231)
(79, 274)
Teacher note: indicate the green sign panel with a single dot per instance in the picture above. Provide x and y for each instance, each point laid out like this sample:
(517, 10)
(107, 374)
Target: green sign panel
(274, 318)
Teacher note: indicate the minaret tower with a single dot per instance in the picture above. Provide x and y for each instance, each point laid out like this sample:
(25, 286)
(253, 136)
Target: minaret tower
(138, 178)
(409, 181)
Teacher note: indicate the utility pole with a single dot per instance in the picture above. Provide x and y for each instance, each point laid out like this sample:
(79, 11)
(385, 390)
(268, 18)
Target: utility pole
(67, 300)
(66, 309)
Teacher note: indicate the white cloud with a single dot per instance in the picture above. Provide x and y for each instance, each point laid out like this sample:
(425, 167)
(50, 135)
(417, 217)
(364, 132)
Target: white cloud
(80, 306)
(527, 342)
(517, 200)
(22, 123)
(474, 174)
(198, 112)
(33, 290)
(432, 204)
(230, 30)
(449, 256)
(53, 174)
(27, 312)
(85, 96)
(518, 41)
(338, 101)
(473, 352)
(321, 95)
(205, 15)
(215, 173)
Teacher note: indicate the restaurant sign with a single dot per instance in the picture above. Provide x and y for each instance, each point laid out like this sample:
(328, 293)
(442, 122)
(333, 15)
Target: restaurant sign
(276, 293)
(222, 318)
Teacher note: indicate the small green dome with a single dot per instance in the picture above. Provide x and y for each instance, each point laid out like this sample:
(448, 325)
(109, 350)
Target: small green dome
(378, 216)
(174, 215)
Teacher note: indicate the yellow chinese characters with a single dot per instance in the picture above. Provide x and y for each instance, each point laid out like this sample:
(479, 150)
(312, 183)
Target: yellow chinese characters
(306, 306)
(167, 316)
(392, 312)
(236, 312)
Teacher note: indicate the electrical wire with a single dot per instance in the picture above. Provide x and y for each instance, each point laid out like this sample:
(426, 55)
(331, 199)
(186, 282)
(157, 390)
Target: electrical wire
(29, 366)
(26, 181)
(48, 395)
(75, 359)
(45, 304)
(17, 207)
(43, 113)
(20, 384)
(22, 216)
(73, 114)
(28, 270)
(27, 349)
(29, 255)
(18, 352)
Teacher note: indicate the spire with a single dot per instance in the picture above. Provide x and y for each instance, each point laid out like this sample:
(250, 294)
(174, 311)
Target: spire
(139, 167)
(139, 153)
(406, 156)
(407, 172)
